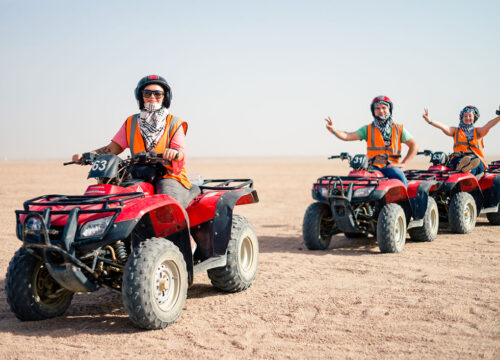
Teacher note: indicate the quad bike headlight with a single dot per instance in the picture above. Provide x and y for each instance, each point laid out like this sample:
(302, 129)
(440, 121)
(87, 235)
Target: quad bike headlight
(95, 227)
(34, 224)
(363, 192)
(323, 191)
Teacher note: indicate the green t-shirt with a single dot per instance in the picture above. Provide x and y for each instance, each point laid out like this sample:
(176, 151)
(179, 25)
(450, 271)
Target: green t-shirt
(363, 133)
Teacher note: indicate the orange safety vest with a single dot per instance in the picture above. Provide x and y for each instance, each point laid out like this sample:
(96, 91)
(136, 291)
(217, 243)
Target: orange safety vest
(460, 143)
(136, 143)
(375, 144)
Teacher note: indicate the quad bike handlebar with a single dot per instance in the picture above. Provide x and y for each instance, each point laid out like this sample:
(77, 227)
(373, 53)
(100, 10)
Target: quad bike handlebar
(145, 157)
(342, 156)
(361, 161)
(87, 158)
(111, 169)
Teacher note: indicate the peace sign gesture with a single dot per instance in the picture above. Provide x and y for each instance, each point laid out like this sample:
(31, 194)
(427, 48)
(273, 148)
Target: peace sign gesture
(426, 116)
(329, 125)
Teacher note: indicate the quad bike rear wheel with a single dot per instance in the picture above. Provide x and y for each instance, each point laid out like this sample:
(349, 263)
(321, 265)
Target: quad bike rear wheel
(318, 226)
(155, 283)
(429, 230)
(391, 229)
(462, 213)
(242, 258)
(31, 292)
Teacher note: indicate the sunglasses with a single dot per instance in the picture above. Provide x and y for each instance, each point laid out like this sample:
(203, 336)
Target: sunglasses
(157, 94)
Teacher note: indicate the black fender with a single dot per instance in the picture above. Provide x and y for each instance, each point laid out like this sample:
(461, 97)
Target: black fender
(492, 195)
(419, 202)
(212, 236)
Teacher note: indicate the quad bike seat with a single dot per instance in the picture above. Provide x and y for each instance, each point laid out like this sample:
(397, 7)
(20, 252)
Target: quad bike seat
(193, 192)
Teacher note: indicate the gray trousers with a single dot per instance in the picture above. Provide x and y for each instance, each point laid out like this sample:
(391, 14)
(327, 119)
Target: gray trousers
(174, 189)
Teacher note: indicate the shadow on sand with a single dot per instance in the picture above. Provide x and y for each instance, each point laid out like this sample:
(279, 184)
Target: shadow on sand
(339, 245)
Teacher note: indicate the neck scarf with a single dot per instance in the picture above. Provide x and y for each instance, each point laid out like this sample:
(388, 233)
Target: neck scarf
(468, 130)
(152, 121)
(385, 127)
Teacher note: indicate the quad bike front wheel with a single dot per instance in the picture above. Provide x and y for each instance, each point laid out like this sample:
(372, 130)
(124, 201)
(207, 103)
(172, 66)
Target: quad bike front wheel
(242, 258)
(318, 226)
(429, 230)
(31, 292)
(391, 229)
(155, 283)
(462, 213)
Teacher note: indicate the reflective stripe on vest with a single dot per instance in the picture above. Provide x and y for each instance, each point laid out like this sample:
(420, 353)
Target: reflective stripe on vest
(136, 143)
(476, 145)
(376, 144)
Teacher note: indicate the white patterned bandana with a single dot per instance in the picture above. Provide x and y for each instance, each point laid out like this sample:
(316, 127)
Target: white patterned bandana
(385, 127)
(468, 130)
(152, 121)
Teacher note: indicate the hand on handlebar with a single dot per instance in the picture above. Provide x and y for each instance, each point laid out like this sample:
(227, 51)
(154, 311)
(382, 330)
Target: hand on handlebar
(76, 157)
(171, 154)
(82, 159)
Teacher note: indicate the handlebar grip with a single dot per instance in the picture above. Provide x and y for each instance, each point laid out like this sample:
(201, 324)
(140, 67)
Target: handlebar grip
(70, 162)
(497, 112)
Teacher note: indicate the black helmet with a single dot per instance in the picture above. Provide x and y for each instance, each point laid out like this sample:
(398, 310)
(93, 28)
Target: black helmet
(153, 79)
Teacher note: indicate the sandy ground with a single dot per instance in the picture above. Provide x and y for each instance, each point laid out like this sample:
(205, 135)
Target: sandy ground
(434, 300)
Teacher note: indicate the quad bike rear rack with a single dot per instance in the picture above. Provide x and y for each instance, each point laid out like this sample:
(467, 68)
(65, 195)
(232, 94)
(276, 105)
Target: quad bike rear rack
(438, 175)
(226, 184)
(494, 167)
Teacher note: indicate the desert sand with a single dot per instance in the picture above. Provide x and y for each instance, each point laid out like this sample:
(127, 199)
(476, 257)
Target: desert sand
(437, 300)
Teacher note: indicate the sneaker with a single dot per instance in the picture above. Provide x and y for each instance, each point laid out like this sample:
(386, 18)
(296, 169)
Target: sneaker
(462, 163)
(474, 163)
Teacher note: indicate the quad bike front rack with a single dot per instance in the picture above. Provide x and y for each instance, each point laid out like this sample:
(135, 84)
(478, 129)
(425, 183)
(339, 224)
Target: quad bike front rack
(56, 243)
(343, 185)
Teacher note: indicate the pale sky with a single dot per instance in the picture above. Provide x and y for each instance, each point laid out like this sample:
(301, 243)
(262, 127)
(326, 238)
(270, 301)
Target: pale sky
(251, 78)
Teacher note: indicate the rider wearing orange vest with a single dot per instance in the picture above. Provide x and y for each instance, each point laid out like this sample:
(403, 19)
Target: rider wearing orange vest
(383, 136)
(136, 144)
(154, 129)
(467, 138)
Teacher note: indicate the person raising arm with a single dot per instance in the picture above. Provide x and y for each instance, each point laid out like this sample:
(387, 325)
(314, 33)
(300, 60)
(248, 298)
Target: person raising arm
(383, 136)
(467, 138)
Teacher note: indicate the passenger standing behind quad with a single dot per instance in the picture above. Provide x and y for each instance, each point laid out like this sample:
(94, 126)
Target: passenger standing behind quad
(154, 129)
(383, 136)
(467, 138)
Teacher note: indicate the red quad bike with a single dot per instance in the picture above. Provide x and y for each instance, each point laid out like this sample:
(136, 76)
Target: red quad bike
(366, 202)
(121, 235)
(494, 166)
(460, 196)
(489, 183)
